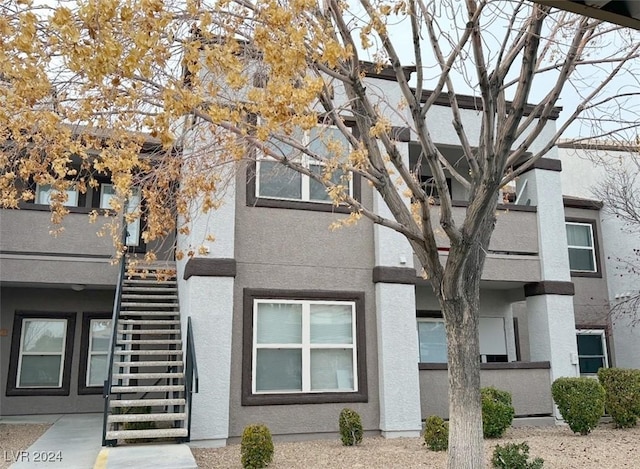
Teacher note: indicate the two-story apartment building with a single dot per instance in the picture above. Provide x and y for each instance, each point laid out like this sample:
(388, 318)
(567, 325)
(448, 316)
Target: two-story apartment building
(293, 321)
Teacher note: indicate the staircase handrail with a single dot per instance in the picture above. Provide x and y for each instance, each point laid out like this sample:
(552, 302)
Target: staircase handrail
(191, 378)
(106, 391)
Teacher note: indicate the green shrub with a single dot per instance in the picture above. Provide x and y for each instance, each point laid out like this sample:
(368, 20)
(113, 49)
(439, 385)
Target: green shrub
(436, 434)
(580, 402)
(497, 412)
(256, 447)
(622, 395)
(514, 456)
(350, 427)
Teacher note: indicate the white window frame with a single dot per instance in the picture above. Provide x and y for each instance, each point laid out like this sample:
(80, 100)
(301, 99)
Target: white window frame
(91, 353)
(306, 161)
(603, 337)
(22, 353)
(306, 346)
(591, 248)
(43, 195)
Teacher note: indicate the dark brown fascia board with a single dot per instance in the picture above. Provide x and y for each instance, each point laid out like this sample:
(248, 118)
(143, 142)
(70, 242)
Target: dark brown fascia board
(549, 164)
(206, 267)
(615, 12)
(493, 366)
(387, 72)
(475, 103)
(578, 202)
(403, 275)
(549, 287)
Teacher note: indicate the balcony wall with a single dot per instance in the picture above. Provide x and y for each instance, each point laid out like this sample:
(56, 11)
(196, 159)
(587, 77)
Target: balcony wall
(529, 385)
(29, 254)
(513, 250)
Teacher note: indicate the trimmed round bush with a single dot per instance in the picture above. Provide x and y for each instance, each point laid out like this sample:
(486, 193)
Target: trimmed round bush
(580, 402)
(622, 395)
(436, 434)
(256, 448)
(350, 427)
(514, 456)
(497, 412)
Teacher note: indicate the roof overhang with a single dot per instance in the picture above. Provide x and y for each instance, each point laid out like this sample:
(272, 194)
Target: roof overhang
(622, 12)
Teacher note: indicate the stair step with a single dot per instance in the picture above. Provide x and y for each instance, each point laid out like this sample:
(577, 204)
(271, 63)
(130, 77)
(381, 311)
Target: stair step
(134, 296)
(158, 289)
(145, 402)
(149, 331)
(147, 352)
(155, 322)
(149, 313)
(145, 304)
(136, 389)
(149, 363)
(148, 375)
(150, 342)
(168, 417)
(141, 281)
(156, 433)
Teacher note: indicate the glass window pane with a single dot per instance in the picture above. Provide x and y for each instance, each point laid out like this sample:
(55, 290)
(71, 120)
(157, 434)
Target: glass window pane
(43, 336)
(590, 344)
(279, 323)
(279, 370)
(282, 149)
(44, 193)
(318, 191)
(100, 335)
(276, 180)
(328, 142)
(331, 324)
(579, 235)
(97, 370)
(581, 259)
(332, 370)
(591, 365)
(38, 370)
(433, 342)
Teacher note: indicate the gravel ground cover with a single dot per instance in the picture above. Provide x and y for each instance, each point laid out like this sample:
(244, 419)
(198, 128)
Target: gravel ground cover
(15, 437)
(605, 447)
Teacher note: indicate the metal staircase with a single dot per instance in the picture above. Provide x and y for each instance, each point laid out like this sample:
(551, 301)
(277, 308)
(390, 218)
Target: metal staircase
(148, 390)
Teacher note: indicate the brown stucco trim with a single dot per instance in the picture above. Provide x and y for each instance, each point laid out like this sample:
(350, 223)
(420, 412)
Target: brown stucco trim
(505, 207)
(577, 202)
(84, 353)
(210, 267)
(56, 254)
(475, 103)
(253, 201)
(493, 366)
(12, 385)
(405, 275)
(596, 247)
(250, 399)
(387, 72)
(545, 163)
(549, 287)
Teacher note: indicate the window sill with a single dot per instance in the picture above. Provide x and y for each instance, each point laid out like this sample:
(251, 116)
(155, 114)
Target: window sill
(586, 274)
(493, 366)
(298, 205)
(47, 208)
(37, 391)
(304, 398)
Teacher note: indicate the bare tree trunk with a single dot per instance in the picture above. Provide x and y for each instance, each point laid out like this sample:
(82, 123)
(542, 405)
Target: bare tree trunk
(465, 412)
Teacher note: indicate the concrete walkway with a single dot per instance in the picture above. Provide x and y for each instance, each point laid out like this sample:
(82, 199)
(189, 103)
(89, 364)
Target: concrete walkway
(74, 442)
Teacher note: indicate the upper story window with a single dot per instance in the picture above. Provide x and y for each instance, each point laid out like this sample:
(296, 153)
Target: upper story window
(45, 191)
(276, 181)
(582, 252)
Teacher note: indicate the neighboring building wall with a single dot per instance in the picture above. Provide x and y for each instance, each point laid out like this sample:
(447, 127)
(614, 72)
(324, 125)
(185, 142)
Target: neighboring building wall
(47, 301)
(585, 170)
